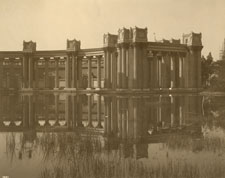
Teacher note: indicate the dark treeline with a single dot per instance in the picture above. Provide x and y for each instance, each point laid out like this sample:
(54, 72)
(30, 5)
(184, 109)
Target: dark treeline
(213, 73)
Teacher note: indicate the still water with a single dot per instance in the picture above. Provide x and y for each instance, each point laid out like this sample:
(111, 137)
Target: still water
(69, 135)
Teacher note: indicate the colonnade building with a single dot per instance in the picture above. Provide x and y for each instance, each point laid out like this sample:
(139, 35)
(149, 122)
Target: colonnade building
(127, 61)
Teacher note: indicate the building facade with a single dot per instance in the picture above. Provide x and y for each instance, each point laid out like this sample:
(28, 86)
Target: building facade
(127, 61)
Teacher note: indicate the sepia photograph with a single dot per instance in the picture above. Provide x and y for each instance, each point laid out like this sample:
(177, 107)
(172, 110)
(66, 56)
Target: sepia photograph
(112, 89)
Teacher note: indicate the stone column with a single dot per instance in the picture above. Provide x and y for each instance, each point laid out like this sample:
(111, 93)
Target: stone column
(1, 72)
(155, 71)
(127, 67)
(99, 111)
(79, 72)
(25, 71)
(172, 71)
(119, 68)
(146, 69)
(181, 72)
(56, 73)
(160, 72)
(89, 111)
(46, 73)
(98, 73)
(74, 71)
(89, 59)
(105, 69)
(135, 67)
(31, 72)
(36, 73)
(113, 70)
(123, 62)
(11, 73)
(67, 72)
(151, 74)
(109, 69)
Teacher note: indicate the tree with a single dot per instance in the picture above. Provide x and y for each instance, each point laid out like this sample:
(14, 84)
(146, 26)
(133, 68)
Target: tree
(206, 69)
(217, 78)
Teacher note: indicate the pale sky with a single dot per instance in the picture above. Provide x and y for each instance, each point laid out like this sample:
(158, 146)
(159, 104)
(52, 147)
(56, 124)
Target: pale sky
(51, 22)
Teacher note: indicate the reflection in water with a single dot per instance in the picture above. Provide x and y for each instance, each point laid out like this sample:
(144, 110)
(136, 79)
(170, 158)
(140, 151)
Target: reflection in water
(69, 135)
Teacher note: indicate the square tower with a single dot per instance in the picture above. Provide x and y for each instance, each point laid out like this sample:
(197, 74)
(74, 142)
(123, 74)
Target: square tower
(192, 39)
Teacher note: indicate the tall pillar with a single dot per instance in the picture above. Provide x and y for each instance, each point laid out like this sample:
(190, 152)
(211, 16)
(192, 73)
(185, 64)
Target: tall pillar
(163, 72)
(79, 72)
(56, 73)
(113, 70)
(181, 78)
(98, 73)
(11, 74)
(140, 67)
(1, 72)
(28, 65)
(135, 65)
(146, 68)
(155, 71)
(68, 71)
(105, 69)
(151, 73)
(46, 73)
(31, 72)
(89, 60)
(109, 69)
(172, 71)
(127, 67)
(119, 69)
(74, 71)
(36, 73)
(25, 71)
(160, 72)
(123, 62)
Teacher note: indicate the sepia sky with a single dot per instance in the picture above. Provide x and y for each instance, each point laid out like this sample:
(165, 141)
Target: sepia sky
(51, 22)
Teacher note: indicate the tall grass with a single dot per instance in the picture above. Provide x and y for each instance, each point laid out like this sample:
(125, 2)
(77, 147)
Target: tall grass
(214, 144)
(84, 158)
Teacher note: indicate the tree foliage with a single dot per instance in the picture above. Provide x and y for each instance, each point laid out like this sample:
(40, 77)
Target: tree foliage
(206, 69)
(217, 78)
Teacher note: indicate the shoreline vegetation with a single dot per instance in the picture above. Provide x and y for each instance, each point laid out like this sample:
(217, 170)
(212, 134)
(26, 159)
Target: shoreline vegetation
(89, 163)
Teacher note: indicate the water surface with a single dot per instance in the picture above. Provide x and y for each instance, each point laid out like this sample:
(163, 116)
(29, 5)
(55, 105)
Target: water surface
(69, 135)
